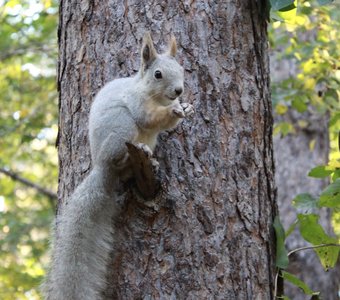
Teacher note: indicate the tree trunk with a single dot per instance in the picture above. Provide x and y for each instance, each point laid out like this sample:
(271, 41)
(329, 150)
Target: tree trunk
(209, 234)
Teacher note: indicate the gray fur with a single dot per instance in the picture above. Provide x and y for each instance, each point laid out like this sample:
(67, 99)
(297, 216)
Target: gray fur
(131, 110)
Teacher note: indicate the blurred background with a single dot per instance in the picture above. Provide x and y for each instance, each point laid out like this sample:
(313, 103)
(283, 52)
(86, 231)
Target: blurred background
(305, 54)
(28, 130)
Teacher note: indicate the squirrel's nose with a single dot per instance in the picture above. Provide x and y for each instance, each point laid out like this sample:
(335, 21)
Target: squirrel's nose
(178, 91)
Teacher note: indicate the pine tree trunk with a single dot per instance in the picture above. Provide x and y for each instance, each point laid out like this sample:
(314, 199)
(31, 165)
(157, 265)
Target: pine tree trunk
(210, 235)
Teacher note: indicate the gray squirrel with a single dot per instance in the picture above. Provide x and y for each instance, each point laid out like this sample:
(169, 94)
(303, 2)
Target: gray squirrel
(135, 110)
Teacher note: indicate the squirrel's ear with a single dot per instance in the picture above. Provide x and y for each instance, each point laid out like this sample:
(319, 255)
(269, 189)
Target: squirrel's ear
(149, 53)
(172, 46)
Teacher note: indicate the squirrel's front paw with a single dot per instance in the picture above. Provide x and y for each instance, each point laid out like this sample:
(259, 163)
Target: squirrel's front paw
(155, 164)
(188, 109)
(145, 148)
(183, 110)
(178, 111)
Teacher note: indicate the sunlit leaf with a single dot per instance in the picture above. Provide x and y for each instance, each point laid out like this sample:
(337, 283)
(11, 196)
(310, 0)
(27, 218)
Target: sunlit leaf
(313, 233)
(312, 144)
(321, 172)
(12, 3)
(281, 109)
(284, 128)
(310, 82)
(47, 3)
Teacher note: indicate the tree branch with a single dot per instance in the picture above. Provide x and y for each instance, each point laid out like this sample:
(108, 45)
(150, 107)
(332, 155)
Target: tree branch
(278, 287)
(28, 183)
(312, 247)
(9, 53)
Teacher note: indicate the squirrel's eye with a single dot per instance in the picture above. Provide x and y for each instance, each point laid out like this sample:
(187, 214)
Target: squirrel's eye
(158, 74)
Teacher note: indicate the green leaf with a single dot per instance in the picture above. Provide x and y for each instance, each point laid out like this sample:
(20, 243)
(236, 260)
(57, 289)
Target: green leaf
(280, 4)
(299, 105)
(320, 172)
(274, 15)
(330, 197)
(299, 283)
(325, 2)
(291, 228)
(281, 109)
(313, 233)
(281, 252)
(289, 7)
(284, 128)
(336, 175)
(305, 203)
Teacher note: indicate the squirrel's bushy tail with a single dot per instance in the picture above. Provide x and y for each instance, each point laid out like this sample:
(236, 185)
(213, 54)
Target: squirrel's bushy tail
(83, 242)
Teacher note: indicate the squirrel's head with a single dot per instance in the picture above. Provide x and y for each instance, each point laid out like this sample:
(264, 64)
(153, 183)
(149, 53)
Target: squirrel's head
(161, 73)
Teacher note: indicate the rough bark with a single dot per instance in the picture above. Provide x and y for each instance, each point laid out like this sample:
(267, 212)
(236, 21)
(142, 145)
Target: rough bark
(209, 234)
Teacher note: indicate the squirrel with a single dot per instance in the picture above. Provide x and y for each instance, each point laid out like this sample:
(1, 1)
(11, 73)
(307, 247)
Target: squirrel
(126, 110)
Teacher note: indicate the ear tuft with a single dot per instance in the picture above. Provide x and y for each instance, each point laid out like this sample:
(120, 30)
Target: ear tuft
(148, 53)
(172, 46)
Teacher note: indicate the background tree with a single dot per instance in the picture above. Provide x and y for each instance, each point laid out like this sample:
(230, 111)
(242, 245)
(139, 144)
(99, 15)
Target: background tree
(292, 179)
(210, 232)
(28, 158)
(305, 96)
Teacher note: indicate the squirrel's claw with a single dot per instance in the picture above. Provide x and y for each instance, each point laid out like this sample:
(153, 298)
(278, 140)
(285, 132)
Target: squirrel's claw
(188, 109)
(184, 110)
(178, 112)
(145, 148)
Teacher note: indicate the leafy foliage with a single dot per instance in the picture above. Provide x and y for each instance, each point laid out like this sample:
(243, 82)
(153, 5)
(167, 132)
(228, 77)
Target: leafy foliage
(307, 35)
(327, 247)
(308, 38)
(28, 118)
